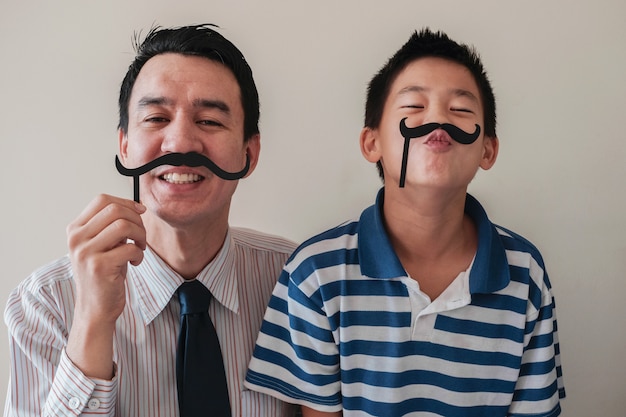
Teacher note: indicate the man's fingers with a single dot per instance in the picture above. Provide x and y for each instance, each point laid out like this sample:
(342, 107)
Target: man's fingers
(100, 202)
(114, 222)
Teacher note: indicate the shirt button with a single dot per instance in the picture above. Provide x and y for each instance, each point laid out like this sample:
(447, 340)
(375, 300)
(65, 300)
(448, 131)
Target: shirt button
(74, 403)
(93, 404)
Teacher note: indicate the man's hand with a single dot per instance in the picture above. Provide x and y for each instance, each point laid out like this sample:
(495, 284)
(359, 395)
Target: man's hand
(104, 238)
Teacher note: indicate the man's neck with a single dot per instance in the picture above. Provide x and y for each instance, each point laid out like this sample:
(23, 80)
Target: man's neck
(186, 249)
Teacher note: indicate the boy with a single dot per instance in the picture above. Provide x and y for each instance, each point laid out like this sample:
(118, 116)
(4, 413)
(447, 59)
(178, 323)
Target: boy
(422, 306)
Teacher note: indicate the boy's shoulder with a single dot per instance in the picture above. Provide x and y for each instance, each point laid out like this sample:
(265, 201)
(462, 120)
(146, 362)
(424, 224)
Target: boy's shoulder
(512, 241)
(338, 237)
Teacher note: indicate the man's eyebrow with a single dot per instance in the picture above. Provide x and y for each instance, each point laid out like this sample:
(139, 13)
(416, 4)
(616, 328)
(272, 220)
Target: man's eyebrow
(200, 103)
(212, 104)
(153, 101)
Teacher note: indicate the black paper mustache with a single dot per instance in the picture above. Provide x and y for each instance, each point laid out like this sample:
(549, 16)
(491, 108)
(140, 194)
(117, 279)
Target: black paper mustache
(455, 133)
(190, 159)
(409, 133)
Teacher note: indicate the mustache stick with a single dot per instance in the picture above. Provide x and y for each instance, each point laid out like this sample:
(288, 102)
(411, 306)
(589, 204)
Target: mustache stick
(409, 133)
(190, 159)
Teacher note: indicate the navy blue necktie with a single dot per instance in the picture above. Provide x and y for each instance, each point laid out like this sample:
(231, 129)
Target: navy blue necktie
(202, 389)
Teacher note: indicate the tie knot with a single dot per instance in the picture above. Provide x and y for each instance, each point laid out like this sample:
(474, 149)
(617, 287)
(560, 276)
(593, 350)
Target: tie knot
(194, 297)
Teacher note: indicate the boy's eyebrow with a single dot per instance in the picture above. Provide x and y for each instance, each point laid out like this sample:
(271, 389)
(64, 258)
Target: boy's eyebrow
(458, 92)
(412, 89)
(200, 103)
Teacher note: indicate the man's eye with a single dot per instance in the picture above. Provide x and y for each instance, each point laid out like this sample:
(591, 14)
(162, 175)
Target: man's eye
(413, 106)
(156, 119)
(210, 123)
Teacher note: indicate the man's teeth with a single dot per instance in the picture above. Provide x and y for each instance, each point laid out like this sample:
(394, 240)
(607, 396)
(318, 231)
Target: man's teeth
(176, 178)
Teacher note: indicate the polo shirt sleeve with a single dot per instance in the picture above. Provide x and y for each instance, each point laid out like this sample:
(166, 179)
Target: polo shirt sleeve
(296, 358)
(540, 384)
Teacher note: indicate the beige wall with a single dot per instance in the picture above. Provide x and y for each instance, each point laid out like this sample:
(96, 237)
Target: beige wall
(558, 68)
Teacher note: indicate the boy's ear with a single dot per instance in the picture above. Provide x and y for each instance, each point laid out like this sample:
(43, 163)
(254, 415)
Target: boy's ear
(491, 146)
(369, 144)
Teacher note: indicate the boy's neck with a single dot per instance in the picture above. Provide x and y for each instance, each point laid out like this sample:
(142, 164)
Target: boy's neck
(431, 235)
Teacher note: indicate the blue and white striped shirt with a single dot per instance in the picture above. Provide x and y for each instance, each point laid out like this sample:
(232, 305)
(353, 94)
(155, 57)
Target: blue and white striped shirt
(347, 329)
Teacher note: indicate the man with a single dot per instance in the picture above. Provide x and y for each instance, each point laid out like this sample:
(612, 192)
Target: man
(422, 306)
(96, 332)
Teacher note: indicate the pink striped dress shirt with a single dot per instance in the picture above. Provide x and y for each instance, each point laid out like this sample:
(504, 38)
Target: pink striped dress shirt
(39, 313)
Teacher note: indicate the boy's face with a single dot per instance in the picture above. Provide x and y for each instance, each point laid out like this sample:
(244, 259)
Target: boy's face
(431, 90)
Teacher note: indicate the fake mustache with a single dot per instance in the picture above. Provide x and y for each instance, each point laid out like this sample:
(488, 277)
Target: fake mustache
(190, 159)
(409, 133)
(455, 133)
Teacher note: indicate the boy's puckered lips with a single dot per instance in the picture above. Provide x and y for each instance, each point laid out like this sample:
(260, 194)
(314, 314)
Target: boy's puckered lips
(456, 133)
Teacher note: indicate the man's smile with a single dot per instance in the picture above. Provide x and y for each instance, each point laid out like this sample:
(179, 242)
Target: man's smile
(191, 159)
(181, 178)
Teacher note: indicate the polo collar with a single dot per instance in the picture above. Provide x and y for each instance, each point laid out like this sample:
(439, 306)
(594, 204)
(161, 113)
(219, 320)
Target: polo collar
(489, 272)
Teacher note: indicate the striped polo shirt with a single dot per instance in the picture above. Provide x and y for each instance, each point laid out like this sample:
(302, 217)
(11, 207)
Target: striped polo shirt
(347, 329)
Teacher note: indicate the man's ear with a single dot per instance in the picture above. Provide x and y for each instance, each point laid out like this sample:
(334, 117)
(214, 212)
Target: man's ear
(253, 150)
(491, 146)
(122, 144)
(369, 144)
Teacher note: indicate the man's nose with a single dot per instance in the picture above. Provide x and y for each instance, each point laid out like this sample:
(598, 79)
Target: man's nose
(181, 136)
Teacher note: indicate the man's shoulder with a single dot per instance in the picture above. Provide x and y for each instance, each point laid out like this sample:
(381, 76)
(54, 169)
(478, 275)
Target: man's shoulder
(49, 288)
(58, 271)
(261, 241)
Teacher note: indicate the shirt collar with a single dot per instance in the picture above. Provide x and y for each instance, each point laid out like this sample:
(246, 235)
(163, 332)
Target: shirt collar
(156, 282)
(489, 272)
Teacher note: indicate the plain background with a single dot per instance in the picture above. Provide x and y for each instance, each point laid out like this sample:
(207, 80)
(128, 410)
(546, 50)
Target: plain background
(558, 69)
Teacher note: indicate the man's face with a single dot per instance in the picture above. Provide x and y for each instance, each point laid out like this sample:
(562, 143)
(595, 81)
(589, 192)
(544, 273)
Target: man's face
(186, 104)
(431, 90)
